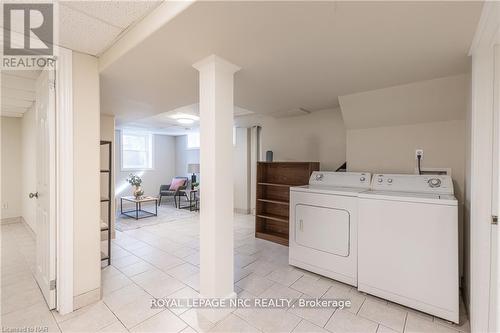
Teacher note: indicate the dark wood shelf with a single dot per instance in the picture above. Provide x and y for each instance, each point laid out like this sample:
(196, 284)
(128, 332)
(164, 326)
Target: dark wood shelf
(104, 256)
(274, 217)
(104, 199)
(275, 237)
(278, 202)
(276, 184)
(274, 180)
(105, 171)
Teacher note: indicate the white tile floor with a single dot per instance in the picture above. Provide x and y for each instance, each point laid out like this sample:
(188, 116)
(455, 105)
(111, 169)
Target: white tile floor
(162, 260)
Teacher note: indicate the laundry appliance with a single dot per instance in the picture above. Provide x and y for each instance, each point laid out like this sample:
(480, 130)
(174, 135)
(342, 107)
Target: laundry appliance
(408, 242)
(323, 224)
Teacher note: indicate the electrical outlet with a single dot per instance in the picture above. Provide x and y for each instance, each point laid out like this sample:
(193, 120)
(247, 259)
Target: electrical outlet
(419, 152)
(5, 205)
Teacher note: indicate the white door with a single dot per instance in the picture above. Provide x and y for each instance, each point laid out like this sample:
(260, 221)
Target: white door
(45, 269)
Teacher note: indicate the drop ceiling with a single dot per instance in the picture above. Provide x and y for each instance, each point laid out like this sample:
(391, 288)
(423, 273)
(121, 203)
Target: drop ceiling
(93, 26)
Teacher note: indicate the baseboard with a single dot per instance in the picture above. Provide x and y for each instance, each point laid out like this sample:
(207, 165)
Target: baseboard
(28, 227)
(86, 298)
(10, 220)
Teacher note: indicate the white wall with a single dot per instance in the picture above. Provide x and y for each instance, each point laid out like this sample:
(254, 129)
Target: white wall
(87, 261)
(427, 101)
(389, 146)
(241, 163)
(319, 136)
(392, 149)
(184, 156)
(28, 166)
(241, 173)
(11, 167)
(163, 168)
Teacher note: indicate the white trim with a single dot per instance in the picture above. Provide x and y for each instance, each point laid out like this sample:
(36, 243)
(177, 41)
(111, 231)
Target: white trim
(64, 176)
(482, 144)
(488, 28)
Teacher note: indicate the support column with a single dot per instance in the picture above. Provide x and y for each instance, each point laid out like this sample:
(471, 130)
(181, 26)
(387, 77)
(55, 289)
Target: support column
(216, 169)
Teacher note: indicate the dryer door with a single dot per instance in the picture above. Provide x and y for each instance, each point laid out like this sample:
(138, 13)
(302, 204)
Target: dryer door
(322, 228)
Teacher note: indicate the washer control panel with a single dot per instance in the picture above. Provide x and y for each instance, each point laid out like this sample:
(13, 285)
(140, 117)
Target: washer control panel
(341, 179)
(413, 183)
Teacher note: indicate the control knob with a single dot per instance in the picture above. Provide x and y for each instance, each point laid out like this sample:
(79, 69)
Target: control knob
(362, 179)
(434, 182)
(389, 180)
(380, 180)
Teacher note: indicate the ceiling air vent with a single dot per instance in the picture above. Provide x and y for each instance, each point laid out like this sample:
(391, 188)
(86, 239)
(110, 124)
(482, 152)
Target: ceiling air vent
(291, 113)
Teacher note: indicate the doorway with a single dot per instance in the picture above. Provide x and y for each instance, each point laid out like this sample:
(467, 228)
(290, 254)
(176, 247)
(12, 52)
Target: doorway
(29, 184)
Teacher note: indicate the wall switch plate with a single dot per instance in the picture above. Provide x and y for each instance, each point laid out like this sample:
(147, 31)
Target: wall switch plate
(419, 152)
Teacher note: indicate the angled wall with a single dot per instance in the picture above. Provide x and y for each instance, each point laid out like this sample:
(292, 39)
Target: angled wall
(386, 126)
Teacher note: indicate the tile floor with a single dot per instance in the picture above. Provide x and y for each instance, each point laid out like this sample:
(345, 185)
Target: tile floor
(162, 260)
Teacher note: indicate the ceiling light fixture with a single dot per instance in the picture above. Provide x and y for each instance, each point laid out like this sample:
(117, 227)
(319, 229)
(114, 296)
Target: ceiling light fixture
(185, 121)
(178, 116)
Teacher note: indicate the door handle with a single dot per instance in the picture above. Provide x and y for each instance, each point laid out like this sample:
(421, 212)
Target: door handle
(33, 195)
(301, 225)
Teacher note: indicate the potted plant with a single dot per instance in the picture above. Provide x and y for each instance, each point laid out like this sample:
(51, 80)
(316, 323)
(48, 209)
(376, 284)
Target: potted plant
(136, 182)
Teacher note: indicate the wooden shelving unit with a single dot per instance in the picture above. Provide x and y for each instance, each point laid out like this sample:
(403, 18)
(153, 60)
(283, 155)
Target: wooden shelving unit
(274, 180)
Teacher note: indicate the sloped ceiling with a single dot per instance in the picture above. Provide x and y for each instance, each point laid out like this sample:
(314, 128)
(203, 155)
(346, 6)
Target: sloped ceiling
(420, 102)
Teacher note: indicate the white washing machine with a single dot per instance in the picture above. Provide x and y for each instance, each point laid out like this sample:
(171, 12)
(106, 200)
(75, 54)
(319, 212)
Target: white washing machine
(323, 224)
(408, 243)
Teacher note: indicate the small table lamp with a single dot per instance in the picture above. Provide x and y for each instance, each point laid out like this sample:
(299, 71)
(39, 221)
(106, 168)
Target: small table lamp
(194, 169)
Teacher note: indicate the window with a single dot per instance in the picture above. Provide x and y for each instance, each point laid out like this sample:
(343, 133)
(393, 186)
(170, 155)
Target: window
(193, 140)
(137, 150)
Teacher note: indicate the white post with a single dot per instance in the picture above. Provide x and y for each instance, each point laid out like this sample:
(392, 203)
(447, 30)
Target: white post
(216, 169)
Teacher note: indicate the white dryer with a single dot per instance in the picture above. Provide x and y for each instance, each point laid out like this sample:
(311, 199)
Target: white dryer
(408, 243)
(323, 224)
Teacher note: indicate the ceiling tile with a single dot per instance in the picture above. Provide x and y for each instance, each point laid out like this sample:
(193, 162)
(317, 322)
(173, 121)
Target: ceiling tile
(83, 33)
(118, 13)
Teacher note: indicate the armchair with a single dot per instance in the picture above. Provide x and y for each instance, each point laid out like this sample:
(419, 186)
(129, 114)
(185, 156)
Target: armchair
(165, 190)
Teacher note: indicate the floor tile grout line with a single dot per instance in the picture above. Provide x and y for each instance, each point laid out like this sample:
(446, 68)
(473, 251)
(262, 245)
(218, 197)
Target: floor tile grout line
(116, 316)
